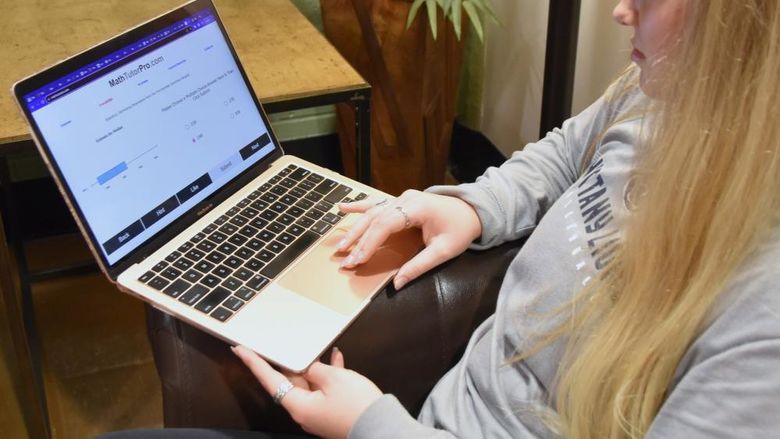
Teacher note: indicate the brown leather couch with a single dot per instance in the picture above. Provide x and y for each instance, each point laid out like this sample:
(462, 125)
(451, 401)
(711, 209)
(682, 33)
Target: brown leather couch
(404, 341)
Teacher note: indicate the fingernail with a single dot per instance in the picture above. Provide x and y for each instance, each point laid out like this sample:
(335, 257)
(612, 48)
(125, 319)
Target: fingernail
(349, 260)
(360, 256)
(399, 282)
(341, 244)
(335, 349)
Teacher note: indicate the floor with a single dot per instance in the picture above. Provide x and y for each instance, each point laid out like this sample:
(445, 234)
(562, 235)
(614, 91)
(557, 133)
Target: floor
(97, 365)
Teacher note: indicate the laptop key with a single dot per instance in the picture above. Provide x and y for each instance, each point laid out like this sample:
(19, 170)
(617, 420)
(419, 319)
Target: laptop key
(218, 237)
(285, 238)
(158, 283)
(331, 218)
(146, 277)
(289, 254)
(304, 204)
(259, 204)
(243, 203)
(279, 190)
(183, 264)
(233, 262)
(275, 227)
(279, 207)
(288, 199)
(209, 228)
(204, 266)
(305, 222)
(228, 229)
(221, 220)
(221, 314)
(231, 283)
(184, 247)
(239, 220)
(245, 293)
(323, 206)
(264, 187)
(238, 240)
(233, 303)
(296, 192)
(313, 196)
(269, 197)
(315, 214)
(206, 245)
(265, 236)
(295, 211)
(160, 266)
(248, 231)
(243, 274)
(295, 229)
(338, 194)
(194, 294)
(257, 282)
(254, 195)
(173, 256)
(198, 237)
(227, 248)
(288, 183)
(361, 196)
(212, 300)
(258, 223)
(255, 244)
(192, 276)
(321, 227)
(244, 253)
(178, 287)
(326, 186)
(210, 281)
(233, 210)
(195, 254)
(316, 178)
(285, 172)
(299, 174)
(269, 215)
(222, 271)
(170, 273)
(286, 219)
(254, 265)
(275, 179)
(265, 255)
(250, 212)
(306, 185)
(216, 257)
(275, 246)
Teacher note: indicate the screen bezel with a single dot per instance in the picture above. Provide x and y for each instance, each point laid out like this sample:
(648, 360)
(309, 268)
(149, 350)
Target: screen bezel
(34, 82)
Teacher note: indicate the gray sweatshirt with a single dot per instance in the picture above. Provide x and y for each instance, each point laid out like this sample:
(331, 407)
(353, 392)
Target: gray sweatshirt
(727, 385)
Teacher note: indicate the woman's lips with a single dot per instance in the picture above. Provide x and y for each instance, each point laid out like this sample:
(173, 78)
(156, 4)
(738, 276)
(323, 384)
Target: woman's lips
(637, 56)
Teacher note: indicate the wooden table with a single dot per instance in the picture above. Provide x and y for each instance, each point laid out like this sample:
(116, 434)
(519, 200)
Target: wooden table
(289, 63)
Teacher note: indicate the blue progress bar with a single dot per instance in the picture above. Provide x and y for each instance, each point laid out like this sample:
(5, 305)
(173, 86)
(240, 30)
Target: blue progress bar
(111, 173)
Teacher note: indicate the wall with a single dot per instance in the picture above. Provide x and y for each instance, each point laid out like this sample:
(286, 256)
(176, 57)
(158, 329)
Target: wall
(514, 66)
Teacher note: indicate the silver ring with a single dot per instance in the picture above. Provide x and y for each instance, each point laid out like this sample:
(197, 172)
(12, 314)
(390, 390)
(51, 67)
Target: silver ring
(284, 387)
(407, 223)
(381, 203)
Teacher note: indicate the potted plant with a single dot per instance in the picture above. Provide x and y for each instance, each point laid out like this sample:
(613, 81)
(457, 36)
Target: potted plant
(411, 53)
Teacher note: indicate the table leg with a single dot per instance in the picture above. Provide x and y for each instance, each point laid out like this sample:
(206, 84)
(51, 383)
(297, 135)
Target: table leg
(362, 103)
(16, 284)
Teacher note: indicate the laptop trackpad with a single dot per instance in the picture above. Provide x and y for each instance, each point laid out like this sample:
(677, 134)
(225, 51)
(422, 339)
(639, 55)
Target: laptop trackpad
(318, 277)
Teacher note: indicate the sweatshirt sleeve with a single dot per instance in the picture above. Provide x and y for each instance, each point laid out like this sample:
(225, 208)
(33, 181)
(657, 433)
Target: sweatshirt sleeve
(387, 418)
(735, 393)
(511, 199)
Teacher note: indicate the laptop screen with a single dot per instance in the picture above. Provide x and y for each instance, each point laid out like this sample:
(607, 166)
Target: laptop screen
(145, 133)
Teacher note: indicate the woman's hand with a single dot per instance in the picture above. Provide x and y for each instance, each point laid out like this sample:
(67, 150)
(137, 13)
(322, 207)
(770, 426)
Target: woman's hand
(326, 400)
(448, 226)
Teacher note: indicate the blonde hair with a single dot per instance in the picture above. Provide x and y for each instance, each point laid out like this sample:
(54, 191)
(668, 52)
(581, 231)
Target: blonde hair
(711, 169)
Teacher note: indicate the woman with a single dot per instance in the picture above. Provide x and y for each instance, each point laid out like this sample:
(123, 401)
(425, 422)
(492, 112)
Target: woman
(646, 302)
(653, 278)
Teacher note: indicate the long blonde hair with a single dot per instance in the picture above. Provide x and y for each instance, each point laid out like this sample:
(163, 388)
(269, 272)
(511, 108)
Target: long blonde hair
(711, 167)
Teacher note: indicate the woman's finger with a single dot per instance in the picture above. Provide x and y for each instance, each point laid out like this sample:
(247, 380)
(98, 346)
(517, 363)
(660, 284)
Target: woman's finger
(432, 255)
(389, 221)
(336, 358)
(370, 209)
(269, 378)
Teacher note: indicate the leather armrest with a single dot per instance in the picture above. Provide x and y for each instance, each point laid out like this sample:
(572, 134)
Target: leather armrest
(404, 341)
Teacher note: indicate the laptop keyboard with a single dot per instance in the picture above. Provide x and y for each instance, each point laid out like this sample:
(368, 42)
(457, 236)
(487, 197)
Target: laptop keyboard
(231, 260)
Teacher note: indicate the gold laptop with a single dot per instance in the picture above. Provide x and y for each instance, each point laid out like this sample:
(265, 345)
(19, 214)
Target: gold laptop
(170, 167)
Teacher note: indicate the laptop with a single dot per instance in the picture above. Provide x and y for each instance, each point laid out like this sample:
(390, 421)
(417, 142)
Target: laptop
(170, 167)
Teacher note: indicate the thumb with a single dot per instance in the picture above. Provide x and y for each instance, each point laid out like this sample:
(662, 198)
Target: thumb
(429, 257)
(319, 374)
